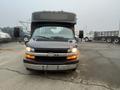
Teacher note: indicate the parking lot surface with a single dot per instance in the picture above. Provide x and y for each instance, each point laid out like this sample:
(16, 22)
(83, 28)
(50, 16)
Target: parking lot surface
(98, 69)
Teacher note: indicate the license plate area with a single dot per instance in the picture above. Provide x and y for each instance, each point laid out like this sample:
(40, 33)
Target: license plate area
(50, 67)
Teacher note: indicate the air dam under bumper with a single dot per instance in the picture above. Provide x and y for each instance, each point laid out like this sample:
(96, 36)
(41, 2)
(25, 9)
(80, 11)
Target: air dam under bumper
(50, 67)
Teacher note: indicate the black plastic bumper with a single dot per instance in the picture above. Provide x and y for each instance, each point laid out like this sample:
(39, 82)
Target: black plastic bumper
(49, 63)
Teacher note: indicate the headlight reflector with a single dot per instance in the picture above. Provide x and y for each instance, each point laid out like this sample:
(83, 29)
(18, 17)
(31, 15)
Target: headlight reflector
(29, 49)
(28, 56)
(72, 57)
(73, 50)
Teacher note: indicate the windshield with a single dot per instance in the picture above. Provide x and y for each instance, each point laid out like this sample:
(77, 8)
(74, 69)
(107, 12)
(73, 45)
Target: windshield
(53, 33)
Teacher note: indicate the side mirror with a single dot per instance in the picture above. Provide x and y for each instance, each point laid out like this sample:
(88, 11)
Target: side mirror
(26, 39)
(81, 34)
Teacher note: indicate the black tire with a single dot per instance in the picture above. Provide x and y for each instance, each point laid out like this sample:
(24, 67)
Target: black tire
(74, 69)
(103, 39)
(116, 40)
(108, 40)
(86, 39)
(29, 69)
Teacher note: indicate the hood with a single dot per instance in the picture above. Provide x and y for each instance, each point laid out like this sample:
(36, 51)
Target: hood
(51, 44)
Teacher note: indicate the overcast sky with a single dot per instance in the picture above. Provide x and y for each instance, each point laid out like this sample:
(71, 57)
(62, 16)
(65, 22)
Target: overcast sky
(91, 14)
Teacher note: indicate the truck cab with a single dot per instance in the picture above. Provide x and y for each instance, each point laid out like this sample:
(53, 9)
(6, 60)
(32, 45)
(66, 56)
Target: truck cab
(52, 45)
(89, 36)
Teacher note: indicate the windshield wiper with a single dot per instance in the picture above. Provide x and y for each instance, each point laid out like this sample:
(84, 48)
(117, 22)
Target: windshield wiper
(42, 37)
(58, 37)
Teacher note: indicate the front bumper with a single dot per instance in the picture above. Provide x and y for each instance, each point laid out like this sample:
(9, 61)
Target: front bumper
(51, 62)
(31, 64)
(50, 67)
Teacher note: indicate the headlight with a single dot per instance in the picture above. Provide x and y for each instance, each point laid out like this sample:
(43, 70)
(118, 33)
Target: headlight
(29, 49)
(73, 50)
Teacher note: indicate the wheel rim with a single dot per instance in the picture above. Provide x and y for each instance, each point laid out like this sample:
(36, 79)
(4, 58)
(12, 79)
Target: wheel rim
(116, 40)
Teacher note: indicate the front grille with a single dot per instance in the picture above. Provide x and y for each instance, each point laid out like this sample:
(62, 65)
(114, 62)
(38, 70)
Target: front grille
(52, 50)
(50, 59)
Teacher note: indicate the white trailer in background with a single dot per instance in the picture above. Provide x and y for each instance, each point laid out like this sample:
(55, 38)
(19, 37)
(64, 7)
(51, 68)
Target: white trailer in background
(108, 36)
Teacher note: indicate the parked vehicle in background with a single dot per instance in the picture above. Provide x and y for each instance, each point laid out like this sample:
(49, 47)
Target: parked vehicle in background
(108, 36)
(4, 37)
(21, 33)
(88, 36)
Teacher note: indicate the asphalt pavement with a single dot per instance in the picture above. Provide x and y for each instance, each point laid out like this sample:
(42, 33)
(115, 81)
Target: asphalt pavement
(99, 69)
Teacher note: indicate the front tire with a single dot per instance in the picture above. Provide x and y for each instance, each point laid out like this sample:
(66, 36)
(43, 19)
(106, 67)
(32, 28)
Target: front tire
(74, 69)
(28, 69)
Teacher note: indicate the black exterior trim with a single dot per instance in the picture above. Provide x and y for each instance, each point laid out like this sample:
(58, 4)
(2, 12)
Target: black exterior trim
(49, 63)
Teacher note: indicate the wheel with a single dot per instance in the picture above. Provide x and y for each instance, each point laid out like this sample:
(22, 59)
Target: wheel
(116, 41)
(29, 69)
(103, 39)
(86, 39)
(74, 69)
(109, 40)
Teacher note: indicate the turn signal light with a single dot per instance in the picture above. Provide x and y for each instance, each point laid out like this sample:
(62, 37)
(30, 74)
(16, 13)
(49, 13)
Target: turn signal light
(30, 56)
(73, 57)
